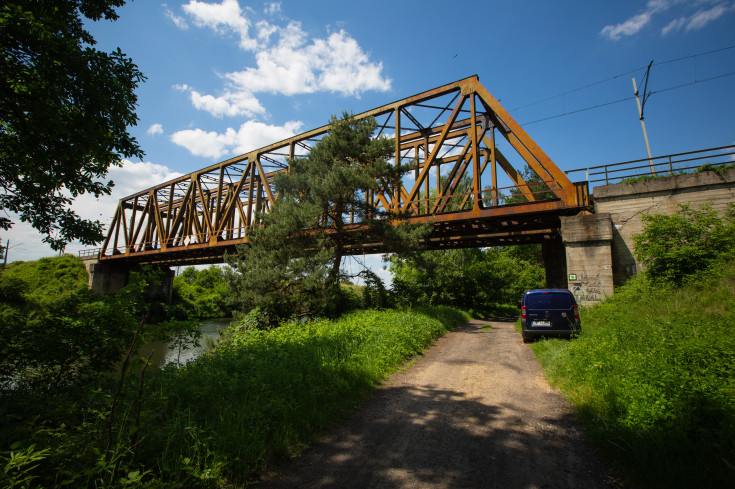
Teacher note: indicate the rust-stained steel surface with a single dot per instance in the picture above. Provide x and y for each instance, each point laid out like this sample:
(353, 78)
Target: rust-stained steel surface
(447, 134)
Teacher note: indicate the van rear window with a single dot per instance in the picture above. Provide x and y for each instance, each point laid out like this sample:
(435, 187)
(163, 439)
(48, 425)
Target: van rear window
(549, 300)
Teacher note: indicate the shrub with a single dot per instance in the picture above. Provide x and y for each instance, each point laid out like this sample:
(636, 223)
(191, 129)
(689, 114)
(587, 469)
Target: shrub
(653, 378)
(672, 247)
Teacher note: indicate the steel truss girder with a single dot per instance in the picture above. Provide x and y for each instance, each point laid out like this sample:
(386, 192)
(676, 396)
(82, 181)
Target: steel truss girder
(195, 218)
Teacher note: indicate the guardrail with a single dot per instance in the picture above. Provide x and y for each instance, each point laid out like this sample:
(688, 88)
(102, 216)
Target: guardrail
(95, 252)
(672, 164)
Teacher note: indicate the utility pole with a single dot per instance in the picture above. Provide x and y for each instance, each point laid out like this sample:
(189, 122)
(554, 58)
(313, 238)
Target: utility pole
(640, 115)
(7, 247)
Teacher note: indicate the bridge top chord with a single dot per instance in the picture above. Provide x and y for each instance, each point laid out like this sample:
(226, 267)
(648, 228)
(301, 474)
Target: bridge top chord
(465, 180)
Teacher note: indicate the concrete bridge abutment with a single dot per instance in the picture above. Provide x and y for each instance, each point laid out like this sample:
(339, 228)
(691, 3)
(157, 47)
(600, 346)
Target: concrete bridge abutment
(109, 278)
(588, 242)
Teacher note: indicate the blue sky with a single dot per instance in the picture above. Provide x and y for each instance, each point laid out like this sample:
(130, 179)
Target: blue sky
(229, 76)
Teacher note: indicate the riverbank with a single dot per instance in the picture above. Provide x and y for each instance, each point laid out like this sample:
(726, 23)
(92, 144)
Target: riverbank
(215, 421)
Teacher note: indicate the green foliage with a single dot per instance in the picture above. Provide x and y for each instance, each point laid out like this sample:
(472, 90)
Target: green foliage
(43, 279)
(18, 467)
(53, 330)
(261, 395)
(200, 294)
(264, 393)
(260, 317)
(653, 378)
(672, 247)
(374, 293)
(293, 263)
(536, 186)
(64, 111)
(466, 278)
(715, 168)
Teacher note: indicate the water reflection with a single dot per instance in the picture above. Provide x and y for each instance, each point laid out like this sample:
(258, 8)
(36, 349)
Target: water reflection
(164, 353)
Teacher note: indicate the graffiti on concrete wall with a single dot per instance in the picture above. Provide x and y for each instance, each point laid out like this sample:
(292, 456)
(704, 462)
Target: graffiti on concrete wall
(586, 287)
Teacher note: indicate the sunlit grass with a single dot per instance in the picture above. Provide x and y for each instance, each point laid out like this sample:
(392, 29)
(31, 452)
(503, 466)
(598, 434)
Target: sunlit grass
(653, 379)
(267, 394)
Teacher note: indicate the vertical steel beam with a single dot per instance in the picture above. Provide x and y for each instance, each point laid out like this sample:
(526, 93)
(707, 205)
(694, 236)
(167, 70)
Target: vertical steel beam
(476, 188)
(396, 190)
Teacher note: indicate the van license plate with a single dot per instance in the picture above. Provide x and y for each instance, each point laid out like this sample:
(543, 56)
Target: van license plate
(541, 323)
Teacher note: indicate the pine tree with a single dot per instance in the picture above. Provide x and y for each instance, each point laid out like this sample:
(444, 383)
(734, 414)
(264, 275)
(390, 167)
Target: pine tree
(293, 264)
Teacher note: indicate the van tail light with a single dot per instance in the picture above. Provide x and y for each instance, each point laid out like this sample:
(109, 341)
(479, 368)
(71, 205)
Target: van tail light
(523, 312)
(576, 312)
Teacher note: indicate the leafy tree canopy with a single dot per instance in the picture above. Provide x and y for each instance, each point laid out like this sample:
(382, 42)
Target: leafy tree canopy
(467, 278)
(64, 112)
(536, 186)
(293, 263)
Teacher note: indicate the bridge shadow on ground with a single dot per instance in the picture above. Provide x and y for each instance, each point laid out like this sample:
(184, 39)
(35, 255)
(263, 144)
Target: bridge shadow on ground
(425, 437)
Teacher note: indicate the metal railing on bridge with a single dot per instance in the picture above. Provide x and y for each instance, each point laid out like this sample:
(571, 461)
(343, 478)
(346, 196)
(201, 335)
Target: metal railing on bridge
(89, 253)
(673, 164)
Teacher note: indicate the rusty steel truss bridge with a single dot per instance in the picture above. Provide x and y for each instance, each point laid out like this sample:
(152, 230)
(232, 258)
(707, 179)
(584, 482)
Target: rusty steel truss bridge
(466, 154)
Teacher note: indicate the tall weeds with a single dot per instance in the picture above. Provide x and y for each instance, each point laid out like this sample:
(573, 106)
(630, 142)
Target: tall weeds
(653, 378)
(215, 421)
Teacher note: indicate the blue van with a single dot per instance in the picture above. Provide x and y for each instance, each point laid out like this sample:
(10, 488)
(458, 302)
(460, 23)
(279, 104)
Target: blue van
(549, 313)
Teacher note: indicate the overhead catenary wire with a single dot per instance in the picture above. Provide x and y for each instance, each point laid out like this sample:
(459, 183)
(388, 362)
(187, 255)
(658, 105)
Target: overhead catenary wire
(624, 99)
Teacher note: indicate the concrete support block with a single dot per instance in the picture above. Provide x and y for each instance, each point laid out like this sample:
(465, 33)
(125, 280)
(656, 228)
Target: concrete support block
(588, 242)
(108, 278)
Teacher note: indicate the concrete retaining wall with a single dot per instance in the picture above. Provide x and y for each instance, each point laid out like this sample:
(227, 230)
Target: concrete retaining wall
(627, 202)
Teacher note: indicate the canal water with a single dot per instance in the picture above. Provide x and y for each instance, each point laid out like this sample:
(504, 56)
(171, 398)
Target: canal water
(164, 353)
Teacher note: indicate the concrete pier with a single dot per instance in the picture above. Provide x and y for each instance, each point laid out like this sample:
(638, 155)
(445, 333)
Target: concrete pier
(588, 246)
(107, 278)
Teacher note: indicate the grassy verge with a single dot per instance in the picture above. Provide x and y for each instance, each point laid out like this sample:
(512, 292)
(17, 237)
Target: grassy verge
(217, 421)
(265, 394)
(653, 378)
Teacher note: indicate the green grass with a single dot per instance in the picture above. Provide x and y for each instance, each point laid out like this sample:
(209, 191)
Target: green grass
(653, 379)
(266, 394)
(44, 279)
(216, 422)
(717, 168)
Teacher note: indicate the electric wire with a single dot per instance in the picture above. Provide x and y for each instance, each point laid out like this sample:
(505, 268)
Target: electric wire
(695, 82)
(589, 85)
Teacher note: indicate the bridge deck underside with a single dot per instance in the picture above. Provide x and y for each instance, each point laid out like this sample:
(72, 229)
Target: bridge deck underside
(466, 156)
(459, 233)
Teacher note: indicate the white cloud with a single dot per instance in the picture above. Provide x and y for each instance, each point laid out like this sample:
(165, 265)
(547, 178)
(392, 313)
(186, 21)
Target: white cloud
(155, 129)
(336, 64)
(680, 8)
(26, 242)
(179, 22)
(272, 8)
(288, 61)
(229, 104)
(251, 135)
(704, 17)
(627, 28)
(673, 26)
(222, 17)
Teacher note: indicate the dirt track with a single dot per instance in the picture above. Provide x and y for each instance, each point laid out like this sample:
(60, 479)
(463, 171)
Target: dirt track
(474, 412)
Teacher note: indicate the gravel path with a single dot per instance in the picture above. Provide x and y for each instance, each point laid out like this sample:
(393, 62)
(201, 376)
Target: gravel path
(474, 412)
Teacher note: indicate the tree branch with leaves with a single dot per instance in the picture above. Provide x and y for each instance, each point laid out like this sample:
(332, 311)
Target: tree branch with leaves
(65, 109)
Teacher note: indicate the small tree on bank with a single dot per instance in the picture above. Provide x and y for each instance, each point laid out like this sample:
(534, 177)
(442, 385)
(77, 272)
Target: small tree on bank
(293, 264)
